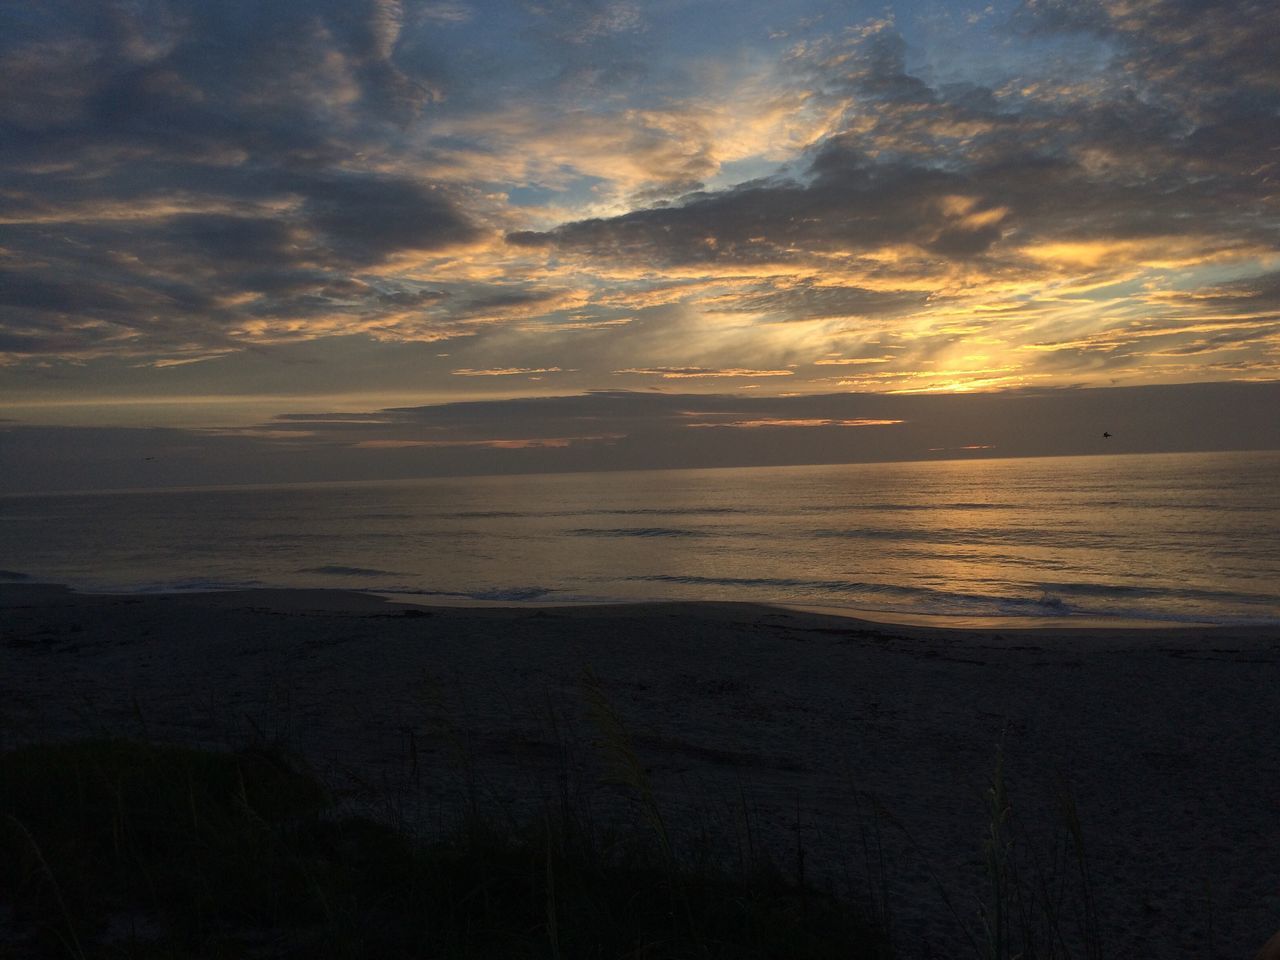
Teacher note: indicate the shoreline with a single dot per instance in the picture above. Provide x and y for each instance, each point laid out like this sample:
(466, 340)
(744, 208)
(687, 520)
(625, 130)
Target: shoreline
(330, 597)
(808, 721)
(888, 618)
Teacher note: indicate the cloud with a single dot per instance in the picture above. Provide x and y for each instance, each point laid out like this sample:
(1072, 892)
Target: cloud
(560, 326)
(1255, 297)
(621, 430)
(972, 208)
(444, 11)
(809, 300)
(848, 205)
(533, 443)
(1088, 195)
(1207, 50)
(504, 371)
(695, 373)
(782, 422)
(197, 160)
(582, 21)
(368, 218)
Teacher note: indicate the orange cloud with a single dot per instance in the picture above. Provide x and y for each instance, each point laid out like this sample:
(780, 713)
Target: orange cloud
(530, 443)
(506, 371)
(691, 373)
(780, 422)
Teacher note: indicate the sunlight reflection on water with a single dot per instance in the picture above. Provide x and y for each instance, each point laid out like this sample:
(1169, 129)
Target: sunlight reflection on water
(1189, 536)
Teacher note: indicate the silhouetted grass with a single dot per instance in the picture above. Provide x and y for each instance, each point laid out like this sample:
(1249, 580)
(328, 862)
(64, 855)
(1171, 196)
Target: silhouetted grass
(112, 848)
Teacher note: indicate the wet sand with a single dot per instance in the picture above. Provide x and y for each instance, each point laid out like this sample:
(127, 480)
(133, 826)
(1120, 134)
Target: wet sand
(1167, 739)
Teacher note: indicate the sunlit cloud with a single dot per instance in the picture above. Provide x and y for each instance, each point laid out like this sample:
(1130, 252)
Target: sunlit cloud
(560, 326)
(530, 443)
(163, 362)
(697, 373)
(780, 422)
(504, 371)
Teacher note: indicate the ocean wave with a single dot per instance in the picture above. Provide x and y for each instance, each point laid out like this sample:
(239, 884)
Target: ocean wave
(509, 594)
(189, 585)
(1019, 536)
(1039, 600)
(1152, 592)
(931, 552)
(14, 575)
(600, 512)
(293, 537)
(512, 593)
(373, 516)
(833, 586)
(927, 507)
(664, 511)
(887, 597)
(636, 532)
(341, 571)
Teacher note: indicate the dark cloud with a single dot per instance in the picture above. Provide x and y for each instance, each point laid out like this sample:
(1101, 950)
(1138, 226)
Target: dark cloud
(490, 301)
(1190, 50)
(880, 71)
(56, 310)
(812, 301)
(171, 157)
(395, 297)
(1199, 90)
(1163, 144)
(368, 218)
(181, 75)
(229, 239)
(952, 211)
(627, 431)
(1257, 296)
(927, 417)
(41, 295)
(848, 201)
(849, 204)
(182, 278)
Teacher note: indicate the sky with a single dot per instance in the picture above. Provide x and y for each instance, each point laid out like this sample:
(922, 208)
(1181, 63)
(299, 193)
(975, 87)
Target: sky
(321, 239)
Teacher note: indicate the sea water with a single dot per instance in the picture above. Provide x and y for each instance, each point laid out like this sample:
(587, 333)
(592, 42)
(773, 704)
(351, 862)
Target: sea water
(1193, 537)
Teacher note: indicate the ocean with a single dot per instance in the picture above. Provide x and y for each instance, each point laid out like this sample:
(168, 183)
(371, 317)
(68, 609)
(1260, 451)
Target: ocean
(1165, 537)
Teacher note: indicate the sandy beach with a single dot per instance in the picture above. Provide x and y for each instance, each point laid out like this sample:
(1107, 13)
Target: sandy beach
(1166, 738)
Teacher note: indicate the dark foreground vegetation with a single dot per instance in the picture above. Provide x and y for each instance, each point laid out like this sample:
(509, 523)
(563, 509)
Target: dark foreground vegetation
(112, 848)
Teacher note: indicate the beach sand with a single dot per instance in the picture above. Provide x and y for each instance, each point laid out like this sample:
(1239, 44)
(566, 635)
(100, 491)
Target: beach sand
(1168, 739)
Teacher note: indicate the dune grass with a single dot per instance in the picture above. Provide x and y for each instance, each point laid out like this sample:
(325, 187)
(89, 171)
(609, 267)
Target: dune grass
(126, 848)
(117, 848)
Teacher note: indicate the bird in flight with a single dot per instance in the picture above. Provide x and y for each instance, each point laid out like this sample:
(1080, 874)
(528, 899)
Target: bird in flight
(1105, 435)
